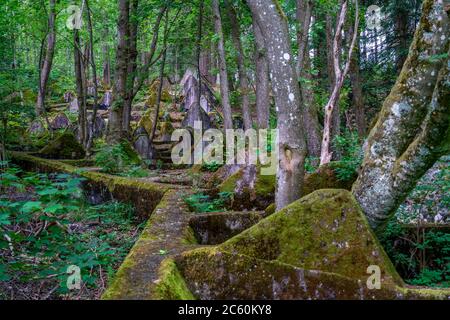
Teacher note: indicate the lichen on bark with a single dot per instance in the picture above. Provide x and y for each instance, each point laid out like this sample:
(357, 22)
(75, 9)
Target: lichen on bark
(403, 145)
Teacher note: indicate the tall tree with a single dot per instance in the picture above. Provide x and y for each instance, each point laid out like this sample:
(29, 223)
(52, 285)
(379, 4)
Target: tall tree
(357, 94)
(224, 84)
(47, 63)
(242, 70)
(291, 140)
(310, 117)
(115, 127)
(93, 65)
(81, 89)
(133, 24)
(340, 74)
(262, 79)
(161, 78)
(413, 127)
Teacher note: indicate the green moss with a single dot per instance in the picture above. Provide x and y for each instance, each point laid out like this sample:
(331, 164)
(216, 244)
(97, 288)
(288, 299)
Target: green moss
(65, 146)
(189, 237)
(213, 273)
(171, 285)
(229, 185)
(264, 188)
(323, 231)
(120, 286)
(271, 209)
(264, 184)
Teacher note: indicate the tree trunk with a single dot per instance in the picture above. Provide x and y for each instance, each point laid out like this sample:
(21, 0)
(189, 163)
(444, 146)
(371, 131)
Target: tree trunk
(291, 140)
(310, 117)
(161, 79)
(413, 125)
(243, 80)
(132, 64)
(94, 78)
(340, 74)
(224, 84)
(262, 79)
(79, 78)
(357, 96)
(335, 117)
(115, 129)
(206, 64)
(106, 63)
(401, 28)
(48, 60)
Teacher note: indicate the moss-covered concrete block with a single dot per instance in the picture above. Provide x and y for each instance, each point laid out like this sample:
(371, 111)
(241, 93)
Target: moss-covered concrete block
(320, 247)
(64, 146)
(325, 231)
(215, 228)
(253, 190)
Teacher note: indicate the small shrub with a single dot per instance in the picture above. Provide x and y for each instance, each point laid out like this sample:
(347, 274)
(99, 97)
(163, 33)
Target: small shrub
(349, 147)
(201, 203)
(116, 158)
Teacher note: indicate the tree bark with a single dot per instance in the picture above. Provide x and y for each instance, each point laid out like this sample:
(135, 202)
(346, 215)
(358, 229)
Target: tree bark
(242, 70)
(161, 78)
(132, 64)
(357, 96)
(340, 74)
(79, 78)
(291, 140)
(224, 84)
(48, 60)
(106, 63)
(413, 126)
(262, 79)
(115, 129)
(310, 117)
(94, 78)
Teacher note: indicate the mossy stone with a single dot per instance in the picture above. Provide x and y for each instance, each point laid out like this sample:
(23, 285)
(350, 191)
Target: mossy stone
(64, 146)
(263, 192)
(325, 231)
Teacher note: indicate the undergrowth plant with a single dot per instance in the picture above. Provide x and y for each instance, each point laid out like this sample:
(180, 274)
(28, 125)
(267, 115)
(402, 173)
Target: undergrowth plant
(46, 226)
(201, 203)
(119, 159)
(349, 148)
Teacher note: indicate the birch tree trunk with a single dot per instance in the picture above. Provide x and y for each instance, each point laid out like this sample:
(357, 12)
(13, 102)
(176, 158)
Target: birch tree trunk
(262, 79)
(48, 60)
(224, 84)
(340, 74)
(413, 128)
(291, 140)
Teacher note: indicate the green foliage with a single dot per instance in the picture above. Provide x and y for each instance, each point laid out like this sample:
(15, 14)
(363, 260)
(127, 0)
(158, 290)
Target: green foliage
(211, 167)
(116, 158)
(421, 255)
(349, 148)
(201, 203)
(47, 227)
